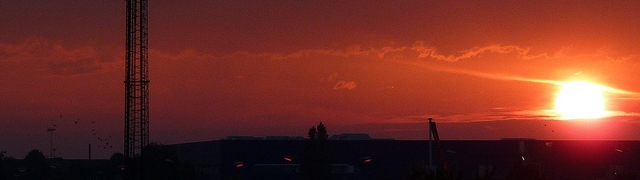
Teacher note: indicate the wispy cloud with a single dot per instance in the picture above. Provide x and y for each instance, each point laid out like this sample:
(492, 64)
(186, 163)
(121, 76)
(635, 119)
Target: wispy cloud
(345, 85)
(353, 51)
(329, 78)
(187, 54)
(508, 115)
(624, 93)
(425, 51)
(53, 57)
(420, 50)
(487, 116)
(415, 55)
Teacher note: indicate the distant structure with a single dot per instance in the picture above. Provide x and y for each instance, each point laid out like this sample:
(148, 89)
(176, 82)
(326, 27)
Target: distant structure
(136, 123)
(244, 138)
(343, 136)
(351, 136)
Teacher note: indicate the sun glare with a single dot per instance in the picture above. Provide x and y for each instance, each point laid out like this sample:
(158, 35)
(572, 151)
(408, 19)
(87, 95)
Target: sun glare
(580, 100)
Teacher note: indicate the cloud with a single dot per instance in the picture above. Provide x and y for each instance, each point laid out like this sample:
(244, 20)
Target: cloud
(339, 84)
(330, 78)
(420, 51)
(188, 54)
(428, 52)
(41, 54)
(414, 55)
(417, 50)
(345, 85)
(76, 66)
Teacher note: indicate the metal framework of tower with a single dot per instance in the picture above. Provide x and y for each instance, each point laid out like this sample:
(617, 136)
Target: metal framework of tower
(136, 125)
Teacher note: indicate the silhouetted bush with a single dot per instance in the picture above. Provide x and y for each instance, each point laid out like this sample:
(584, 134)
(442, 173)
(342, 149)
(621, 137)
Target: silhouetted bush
(36, 165)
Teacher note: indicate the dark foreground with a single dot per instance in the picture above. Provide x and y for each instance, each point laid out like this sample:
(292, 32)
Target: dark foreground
(287, 158)
(400, 159)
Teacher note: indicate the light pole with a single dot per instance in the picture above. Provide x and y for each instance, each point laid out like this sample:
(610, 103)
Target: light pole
(50, 130)
(430, 146)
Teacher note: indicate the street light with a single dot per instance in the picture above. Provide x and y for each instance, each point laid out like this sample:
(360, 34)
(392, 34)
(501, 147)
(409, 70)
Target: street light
(50, 130)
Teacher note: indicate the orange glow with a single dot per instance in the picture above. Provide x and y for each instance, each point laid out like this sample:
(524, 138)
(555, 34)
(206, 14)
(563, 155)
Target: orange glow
(239, 165)
(580, 100)
(287, 159)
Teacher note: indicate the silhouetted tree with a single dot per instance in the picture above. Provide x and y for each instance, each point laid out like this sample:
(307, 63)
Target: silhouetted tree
(312, 133)
(116, 165)
(322, 132)
(117, 159)
(36, 165)
(315, 163)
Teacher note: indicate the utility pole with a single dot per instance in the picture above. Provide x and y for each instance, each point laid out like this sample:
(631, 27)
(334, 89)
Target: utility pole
(136, 89)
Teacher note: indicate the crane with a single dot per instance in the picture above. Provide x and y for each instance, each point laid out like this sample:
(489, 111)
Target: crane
(434, 131)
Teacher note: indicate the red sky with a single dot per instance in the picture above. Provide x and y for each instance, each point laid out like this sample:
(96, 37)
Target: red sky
(482, 70)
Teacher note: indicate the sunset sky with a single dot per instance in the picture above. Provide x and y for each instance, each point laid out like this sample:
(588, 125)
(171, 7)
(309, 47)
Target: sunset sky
(481, 69)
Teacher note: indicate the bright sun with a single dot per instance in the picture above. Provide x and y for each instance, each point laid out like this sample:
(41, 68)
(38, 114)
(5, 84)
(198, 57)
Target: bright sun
(580, 100)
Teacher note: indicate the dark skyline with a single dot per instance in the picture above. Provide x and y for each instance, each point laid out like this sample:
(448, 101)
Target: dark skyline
(482, 70)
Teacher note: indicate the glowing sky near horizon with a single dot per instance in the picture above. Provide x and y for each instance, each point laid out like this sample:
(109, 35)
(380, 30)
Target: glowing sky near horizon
(484, 70)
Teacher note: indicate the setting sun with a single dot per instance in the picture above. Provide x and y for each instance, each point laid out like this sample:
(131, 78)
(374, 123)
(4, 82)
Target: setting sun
(580, 100)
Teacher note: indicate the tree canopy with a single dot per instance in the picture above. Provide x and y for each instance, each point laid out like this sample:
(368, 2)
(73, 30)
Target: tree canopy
(36, 165)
